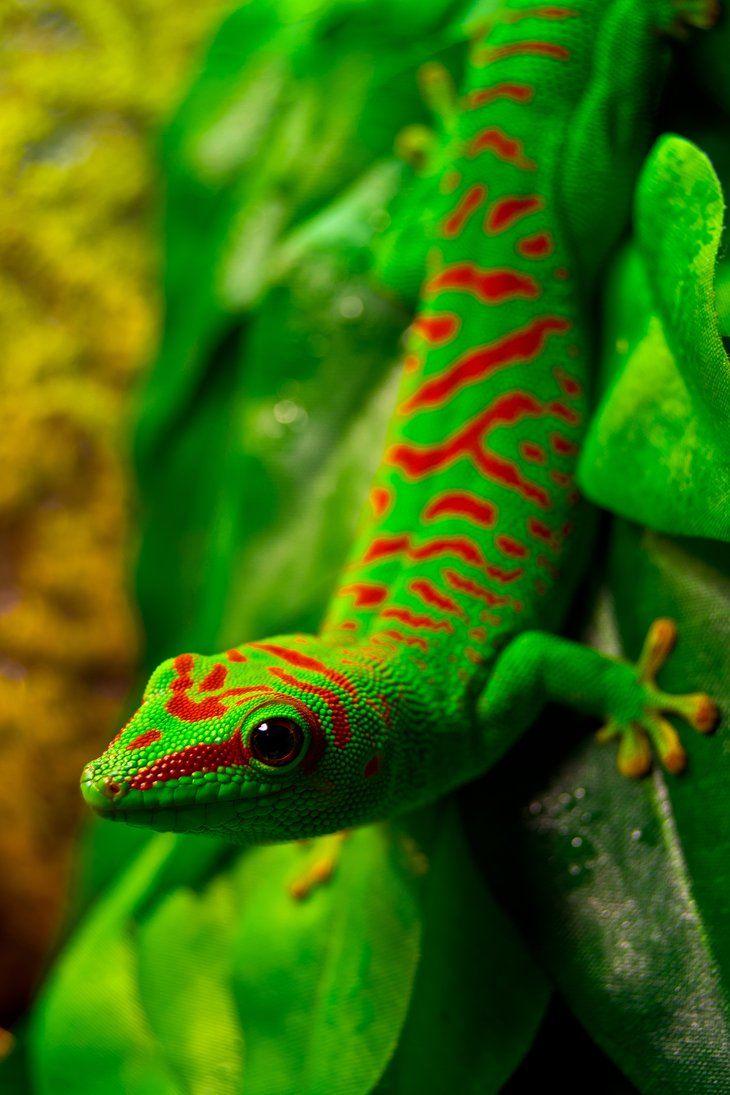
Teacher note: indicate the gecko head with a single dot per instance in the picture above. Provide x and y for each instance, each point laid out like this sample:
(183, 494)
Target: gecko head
(272, 741)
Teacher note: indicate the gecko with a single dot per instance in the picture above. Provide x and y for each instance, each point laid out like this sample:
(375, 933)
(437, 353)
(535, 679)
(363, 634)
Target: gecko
(442, 642)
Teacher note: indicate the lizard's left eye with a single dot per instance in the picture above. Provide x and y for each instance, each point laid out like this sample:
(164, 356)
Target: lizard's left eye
(276, 742)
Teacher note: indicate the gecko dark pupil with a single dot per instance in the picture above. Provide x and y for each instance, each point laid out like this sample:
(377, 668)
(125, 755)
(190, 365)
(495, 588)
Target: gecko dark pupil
(276, 741)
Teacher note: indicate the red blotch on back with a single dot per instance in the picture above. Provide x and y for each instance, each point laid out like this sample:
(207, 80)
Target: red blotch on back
(467, 204)
(461, 503)
(507, 211)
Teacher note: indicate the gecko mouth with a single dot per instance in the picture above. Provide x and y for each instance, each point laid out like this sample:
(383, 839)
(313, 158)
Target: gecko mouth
(114, 799)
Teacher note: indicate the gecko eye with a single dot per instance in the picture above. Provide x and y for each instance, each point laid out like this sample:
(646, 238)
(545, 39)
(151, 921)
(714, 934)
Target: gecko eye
(276, 742)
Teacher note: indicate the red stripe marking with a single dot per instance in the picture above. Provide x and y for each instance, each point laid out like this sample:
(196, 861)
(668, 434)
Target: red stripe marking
(236, 656)
(537, 246)
(546, 12)
(417, 461)
(146, 738)
(474, 655)
(366, 595)
(449, 545)
(500, 144)
(444, 545)
(409, 640)
(568, 383)
(411, 619)
(478, 633)
(335, 706)
(205, 757)
(511, 547)
(541, 532)
(474, 589)
(215, 679)
(534, 453)
(348, 625)
(437, 329)
(488, 286)
(517, 93)
(523, 49)
(380, 499)
(504, 576)
(562, 445)
(181, 705)
(561, 478)
(467, 204)
(507, 211)
(411, 363)
(432, 595)
(383, 546)
(293, 657)
(559, 410)
(522, 345)
(461, 503)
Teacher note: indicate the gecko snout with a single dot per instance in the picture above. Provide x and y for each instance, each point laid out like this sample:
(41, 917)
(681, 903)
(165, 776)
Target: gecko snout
(100, 792)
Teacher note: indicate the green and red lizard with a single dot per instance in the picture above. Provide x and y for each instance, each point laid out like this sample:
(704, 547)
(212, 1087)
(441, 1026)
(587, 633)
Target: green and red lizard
(438, 650)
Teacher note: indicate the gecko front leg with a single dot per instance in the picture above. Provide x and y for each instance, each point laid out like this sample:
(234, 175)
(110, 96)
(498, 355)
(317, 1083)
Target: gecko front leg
(537, 668)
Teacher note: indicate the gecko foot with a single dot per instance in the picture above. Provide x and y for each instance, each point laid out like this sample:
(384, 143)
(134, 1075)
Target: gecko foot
(651, 728)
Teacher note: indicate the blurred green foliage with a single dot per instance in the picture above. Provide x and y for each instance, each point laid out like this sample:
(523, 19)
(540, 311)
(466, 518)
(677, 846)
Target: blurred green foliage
(78, 312)
(198, 967)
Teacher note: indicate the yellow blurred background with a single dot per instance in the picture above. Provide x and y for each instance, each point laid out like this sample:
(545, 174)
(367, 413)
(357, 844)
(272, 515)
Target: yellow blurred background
(84, 85)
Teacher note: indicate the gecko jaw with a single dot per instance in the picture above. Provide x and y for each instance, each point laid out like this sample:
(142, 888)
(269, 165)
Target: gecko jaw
(112, 798)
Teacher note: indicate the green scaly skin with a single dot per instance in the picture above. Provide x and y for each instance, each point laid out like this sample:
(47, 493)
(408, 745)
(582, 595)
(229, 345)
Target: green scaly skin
(436, 652)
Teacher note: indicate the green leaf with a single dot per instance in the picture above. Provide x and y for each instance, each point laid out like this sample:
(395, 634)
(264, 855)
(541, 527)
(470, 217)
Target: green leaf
(623, 885)
(665, 417)
(478, 997)
(204, 984)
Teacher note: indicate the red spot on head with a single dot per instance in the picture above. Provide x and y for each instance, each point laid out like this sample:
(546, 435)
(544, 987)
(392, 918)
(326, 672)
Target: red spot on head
(146, 738)
(215, 679)
(205, 757)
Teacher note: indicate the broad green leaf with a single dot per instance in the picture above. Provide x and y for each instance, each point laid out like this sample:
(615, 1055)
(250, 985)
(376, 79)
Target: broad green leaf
(201, 971)
(657, 450)
(478, 997)
(224, 979)
(622, 885)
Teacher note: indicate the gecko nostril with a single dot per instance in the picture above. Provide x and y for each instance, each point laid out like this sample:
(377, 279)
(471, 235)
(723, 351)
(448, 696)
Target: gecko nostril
(101, 792)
